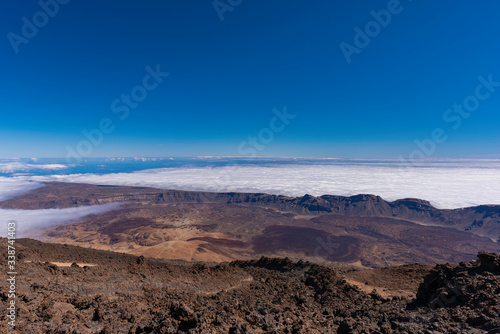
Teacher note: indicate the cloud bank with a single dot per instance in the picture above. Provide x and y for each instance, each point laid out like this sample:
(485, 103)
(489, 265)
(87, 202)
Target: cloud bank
(444, 185)
(15, 167)
(30, 221)
(12, 187)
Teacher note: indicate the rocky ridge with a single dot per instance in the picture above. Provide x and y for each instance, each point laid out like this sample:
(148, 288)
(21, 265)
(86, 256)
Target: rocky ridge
(483, 220)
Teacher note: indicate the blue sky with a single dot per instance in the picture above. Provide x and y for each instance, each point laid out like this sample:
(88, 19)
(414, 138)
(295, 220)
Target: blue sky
(226, 77)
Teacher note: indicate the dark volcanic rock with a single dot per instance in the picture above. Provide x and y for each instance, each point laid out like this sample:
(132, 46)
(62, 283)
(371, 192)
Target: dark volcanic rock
(119, 295)
(308, 241)
(469, 290)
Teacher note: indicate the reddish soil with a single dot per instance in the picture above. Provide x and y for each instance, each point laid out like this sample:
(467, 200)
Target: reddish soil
(310, 241)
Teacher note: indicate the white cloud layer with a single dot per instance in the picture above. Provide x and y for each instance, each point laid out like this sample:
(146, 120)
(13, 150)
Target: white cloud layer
(445, 186)
(15, 167)
(12, 187)
(30, 221)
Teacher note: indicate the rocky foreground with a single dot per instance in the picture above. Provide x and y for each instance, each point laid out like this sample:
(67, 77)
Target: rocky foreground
(120, 293)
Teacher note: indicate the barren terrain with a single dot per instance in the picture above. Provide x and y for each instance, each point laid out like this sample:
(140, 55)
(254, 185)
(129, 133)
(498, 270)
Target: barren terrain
(123, 293)
(223, 227)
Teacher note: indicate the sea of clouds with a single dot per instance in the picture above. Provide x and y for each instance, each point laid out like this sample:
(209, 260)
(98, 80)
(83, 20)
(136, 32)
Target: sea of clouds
(445, 184)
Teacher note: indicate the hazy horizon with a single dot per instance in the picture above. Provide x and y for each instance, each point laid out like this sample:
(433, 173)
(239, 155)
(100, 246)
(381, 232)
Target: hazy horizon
(446, 183)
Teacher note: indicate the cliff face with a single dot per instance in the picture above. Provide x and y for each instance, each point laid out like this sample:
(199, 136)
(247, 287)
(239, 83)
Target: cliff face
(482, 220)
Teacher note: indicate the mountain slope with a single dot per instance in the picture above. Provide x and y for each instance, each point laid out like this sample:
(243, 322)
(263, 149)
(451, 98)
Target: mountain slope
(193, 226)
(483, 220)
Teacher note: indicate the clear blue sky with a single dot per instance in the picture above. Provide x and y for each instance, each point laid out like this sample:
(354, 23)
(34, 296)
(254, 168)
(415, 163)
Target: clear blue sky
(227, 76)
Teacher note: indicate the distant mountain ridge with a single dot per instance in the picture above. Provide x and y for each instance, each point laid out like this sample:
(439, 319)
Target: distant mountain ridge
(483, 220)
